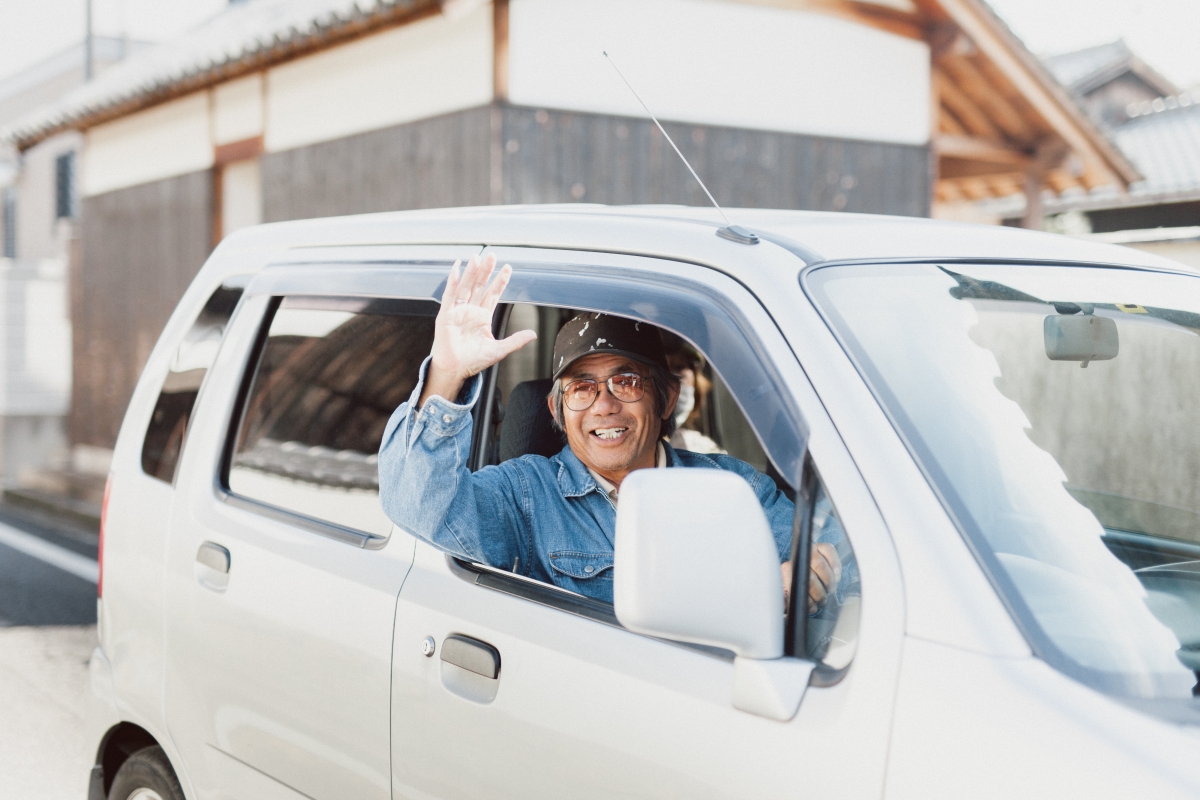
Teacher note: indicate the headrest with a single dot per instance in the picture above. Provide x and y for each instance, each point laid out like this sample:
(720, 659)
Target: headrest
(528, 427)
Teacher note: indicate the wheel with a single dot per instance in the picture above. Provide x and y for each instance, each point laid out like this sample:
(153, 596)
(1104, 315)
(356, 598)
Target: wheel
(146, 775)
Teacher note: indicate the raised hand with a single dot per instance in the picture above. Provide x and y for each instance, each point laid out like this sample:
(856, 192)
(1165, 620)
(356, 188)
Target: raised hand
(463, 345)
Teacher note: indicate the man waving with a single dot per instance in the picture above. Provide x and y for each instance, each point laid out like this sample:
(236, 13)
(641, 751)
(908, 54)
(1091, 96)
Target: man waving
(550, 519)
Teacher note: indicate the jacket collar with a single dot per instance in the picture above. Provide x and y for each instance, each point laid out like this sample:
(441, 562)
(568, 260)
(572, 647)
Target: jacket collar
(574, 479)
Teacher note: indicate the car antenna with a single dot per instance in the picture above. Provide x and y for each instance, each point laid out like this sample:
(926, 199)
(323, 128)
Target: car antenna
(734, 233)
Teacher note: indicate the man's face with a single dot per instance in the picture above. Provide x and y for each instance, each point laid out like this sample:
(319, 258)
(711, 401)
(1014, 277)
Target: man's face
(612, 437)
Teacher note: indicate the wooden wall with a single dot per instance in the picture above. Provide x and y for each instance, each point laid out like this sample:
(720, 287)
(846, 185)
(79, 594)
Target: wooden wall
(140, 248)
(434, 163)
(560, 157)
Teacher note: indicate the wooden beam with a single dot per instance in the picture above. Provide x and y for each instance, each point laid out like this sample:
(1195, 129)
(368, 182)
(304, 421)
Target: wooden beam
(500, 50)
(961, 168)
(1050, 154)
(1051, 102)
(988, 97)
(947, 192)
(976, 149)
(1060, 181)
(885, 18)
(1007, 185)
(947, 123)
(964, 108)
(947, 40)
(237, 151)
(1003, 186)
(975, 188)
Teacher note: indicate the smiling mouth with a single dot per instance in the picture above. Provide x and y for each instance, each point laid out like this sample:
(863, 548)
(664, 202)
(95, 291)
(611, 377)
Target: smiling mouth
(609, 433)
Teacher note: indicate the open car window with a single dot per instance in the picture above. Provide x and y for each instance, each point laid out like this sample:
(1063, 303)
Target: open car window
(514, 420)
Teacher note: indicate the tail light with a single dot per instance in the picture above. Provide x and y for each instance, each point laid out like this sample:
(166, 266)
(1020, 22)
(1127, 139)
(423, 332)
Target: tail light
(100, 551)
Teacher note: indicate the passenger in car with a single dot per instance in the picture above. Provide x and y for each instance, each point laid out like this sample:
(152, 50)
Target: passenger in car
(550, 519)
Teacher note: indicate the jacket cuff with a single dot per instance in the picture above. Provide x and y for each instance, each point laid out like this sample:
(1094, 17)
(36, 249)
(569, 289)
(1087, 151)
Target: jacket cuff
(439, 415)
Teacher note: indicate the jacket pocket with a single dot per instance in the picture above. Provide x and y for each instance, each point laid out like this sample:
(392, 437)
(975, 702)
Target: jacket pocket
(582, 566)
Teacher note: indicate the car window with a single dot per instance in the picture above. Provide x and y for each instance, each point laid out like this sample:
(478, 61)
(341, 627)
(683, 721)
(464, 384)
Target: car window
(327, 377)
(165, 434)
(714, 423)
(830, 632)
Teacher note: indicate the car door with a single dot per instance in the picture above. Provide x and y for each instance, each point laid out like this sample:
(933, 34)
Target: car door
(283, 572)
(535, 692)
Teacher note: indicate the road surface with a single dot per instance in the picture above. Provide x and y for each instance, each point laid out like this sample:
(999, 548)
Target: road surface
(47, 633)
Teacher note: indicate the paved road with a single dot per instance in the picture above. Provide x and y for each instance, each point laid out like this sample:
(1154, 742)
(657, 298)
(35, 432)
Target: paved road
(47, 633)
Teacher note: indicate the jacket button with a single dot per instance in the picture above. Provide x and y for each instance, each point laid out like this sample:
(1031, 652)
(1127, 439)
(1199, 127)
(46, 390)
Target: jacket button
(446, 419)
(589, 569)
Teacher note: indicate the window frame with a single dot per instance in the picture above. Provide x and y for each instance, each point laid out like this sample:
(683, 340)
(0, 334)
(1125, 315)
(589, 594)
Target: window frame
(332, 273)
(236, 283)
(583, 285)
(327, 528)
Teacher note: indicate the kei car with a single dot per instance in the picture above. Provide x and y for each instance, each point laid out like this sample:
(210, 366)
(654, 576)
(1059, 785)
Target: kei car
(1006, 424)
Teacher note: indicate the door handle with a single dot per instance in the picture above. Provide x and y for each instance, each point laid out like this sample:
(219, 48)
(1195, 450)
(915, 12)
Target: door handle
(212, 566)
(472, 655)
(214, 556)
(470, 668)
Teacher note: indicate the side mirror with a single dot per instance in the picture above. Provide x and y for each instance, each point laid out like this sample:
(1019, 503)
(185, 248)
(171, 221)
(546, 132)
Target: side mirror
(1083, 338)
(696, 562)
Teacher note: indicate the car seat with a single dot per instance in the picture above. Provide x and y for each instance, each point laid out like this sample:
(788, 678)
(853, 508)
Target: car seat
(527, 427)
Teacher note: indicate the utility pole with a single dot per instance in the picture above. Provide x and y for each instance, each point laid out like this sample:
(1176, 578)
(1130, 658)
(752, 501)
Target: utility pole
(87, 42)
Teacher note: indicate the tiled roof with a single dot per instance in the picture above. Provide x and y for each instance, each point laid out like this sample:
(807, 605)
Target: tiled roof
(244, 35)
(1072, 68)
(1164, 144)
(1077, 67)
(1084, 71)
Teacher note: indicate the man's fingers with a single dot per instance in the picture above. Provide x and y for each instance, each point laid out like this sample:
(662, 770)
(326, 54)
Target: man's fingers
(515, 342)
(486, 266)
(492, 297)
(463, 290)
(470, 278)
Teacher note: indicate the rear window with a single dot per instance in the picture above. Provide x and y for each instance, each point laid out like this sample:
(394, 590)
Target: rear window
(327, 379)
(168, 424)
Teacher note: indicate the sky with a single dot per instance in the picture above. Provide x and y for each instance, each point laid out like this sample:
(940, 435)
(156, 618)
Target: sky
(1163, 32)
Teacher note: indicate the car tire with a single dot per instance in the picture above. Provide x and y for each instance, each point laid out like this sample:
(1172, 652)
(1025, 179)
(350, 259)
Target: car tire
(146, 775)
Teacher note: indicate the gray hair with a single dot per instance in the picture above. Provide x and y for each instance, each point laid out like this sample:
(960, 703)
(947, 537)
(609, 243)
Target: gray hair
(661, 384)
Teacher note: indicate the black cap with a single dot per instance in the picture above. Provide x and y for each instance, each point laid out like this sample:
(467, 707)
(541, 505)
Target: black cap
(590, 333)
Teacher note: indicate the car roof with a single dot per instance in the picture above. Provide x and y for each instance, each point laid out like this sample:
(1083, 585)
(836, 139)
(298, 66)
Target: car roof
(688, 234)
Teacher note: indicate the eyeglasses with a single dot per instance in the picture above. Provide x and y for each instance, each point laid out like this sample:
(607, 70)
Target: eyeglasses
(628, 387)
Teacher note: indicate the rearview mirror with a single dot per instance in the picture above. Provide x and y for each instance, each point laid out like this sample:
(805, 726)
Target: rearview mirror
(1083, 338)
(696, 562)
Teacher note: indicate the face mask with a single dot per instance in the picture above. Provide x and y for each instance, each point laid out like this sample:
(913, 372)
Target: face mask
(685, 403)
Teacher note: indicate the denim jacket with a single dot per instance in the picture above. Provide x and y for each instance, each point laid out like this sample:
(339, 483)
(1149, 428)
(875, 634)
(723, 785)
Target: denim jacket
(544, 518)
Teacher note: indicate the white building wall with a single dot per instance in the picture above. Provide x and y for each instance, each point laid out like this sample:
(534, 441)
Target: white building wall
(39, 232)
(721, 63)
(174, 138)
(35, 351)
(238, 109)
(430, 67)
(241, 195)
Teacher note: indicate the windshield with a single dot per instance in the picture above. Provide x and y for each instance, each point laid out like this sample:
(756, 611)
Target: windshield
(1057, 412)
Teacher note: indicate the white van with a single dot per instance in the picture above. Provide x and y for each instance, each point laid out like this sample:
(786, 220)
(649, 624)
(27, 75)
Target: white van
(1025, 533)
